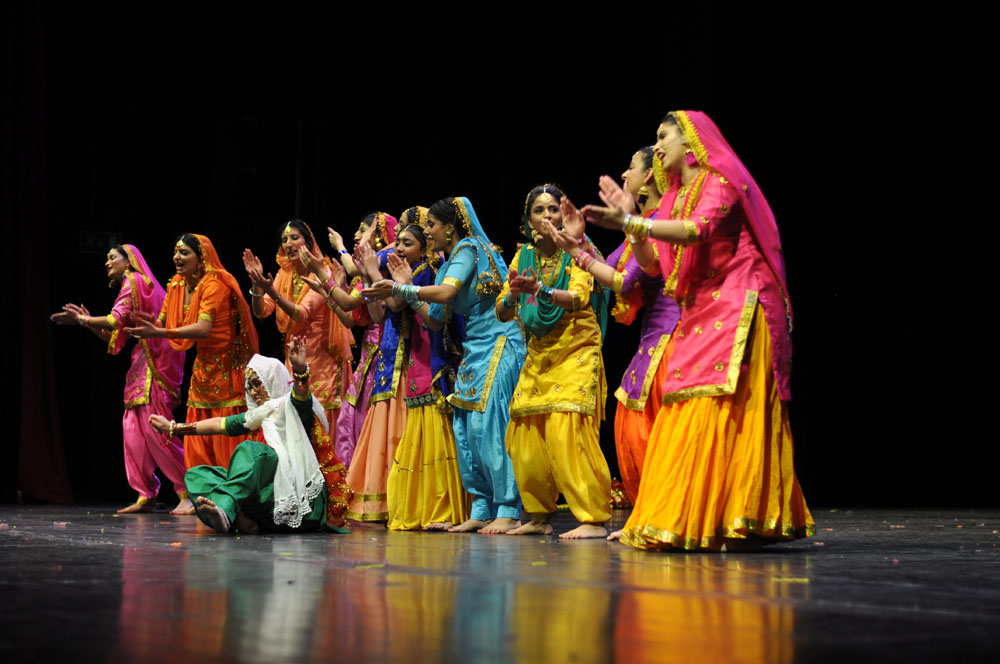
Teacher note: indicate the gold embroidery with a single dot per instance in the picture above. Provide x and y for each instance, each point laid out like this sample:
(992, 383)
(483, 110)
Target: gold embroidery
(652, 350)
(691, 134)
(697, 329)
(207, 317)
(697, 367)
(229, 403)
(739, 346)
(719, 366)
(716, 294)
(557, 387)
(677, 373)
(480, 406)
(452, 281)
(718, 324)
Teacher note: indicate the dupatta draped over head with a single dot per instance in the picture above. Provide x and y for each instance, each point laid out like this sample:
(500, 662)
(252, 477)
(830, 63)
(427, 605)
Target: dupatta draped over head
(147, 297)
(298, 478)
(712, 150)
(244, 342)
(338, 337)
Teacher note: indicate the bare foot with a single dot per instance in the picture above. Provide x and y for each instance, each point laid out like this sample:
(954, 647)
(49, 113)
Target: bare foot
(184, 507)
(617, 535)
(749, 544)
(245, 524)
(136, 507)
(532, 528)
(443, 525)
(470, 526)
(585, 531)
(499, 526)
(211, 514)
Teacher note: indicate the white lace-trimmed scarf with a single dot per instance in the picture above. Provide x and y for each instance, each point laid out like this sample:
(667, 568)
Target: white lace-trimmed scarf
(298, 478)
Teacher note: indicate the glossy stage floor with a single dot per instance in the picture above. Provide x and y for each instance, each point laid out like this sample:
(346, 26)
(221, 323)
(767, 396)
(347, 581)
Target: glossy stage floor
(81, 584)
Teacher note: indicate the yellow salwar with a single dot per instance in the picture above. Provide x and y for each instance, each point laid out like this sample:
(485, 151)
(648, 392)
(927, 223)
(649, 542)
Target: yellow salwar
(380, 435)
(424, 484)
(721, 467)
(560, 452)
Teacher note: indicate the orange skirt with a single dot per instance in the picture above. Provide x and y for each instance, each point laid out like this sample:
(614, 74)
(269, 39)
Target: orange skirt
(369, 471)
(632, 429)
(722, 467)
(211, 450)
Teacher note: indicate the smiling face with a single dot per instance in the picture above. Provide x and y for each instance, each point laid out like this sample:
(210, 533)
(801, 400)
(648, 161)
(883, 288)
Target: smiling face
(437, 232)
(185, 259)
(670, 147)
(116, 265)
(636, 175)
(408, 247)
(292, 242)
(255, 387)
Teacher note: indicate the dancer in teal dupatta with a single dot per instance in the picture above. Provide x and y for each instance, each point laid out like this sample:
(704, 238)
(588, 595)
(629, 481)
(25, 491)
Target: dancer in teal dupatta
(467, 284)
(553, 435)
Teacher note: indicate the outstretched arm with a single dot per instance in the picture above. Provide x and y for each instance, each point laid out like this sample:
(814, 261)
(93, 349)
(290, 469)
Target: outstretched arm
(213, 426)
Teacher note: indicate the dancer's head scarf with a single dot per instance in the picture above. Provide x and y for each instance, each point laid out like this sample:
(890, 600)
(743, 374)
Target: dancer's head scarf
(298, 478)
(244, 343)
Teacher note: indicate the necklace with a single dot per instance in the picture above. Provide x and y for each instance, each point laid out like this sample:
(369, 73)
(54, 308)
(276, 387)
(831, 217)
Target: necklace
(546, 266)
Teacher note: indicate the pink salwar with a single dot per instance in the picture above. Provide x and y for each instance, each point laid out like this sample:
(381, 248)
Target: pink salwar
(145, 448)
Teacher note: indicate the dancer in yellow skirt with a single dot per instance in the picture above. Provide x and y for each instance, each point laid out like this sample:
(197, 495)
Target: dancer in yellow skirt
(718, 472)
(424, 489)
(553, 436)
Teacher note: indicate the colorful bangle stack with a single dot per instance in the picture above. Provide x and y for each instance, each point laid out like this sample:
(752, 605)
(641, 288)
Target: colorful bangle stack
(545, 294)
(302, 377)
(329, 285)
(583, 261)
(507, 303)
(407, 292)
(637, 227)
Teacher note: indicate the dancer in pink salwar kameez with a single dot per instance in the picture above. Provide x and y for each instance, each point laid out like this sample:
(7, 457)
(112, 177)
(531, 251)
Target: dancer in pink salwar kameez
(153, 381)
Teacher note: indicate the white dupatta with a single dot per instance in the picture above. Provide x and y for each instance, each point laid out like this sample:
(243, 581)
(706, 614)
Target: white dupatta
(298, 478)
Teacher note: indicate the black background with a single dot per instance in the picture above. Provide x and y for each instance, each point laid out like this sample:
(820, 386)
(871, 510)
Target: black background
(148, 125)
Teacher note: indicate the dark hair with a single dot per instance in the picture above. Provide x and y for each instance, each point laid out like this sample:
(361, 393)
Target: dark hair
(413, 213)
(302, 228)
(647, 156)
(191, 241)
(446, 213)
(416, 231)
(671, 118)
(121, 250)
(368, 219)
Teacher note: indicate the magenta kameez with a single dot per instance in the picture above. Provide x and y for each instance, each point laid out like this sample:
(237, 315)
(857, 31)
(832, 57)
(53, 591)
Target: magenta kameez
(152, 385)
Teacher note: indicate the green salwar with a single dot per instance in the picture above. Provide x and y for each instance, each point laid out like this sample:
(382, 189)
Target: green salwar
(248, 487)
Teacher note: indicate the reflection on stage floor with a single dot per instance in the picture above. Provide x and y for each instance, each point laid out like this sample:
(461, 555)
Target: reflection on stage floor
(82, 583)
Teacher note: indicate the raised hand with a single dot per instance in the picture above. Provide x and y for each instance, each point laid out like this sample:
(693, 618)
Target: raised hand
(336, 241)
(315, 285)
(379, 290)
(70, 315)
(614, 196)
(313, 263)
(512, 283)
(297, 353)
(562, 239)
(256, 271)
(399, 269)
(145, 326)
(369, 260)
(526, 282)
(572, 220)
(605, 217)
(339, 274)
(366, 237)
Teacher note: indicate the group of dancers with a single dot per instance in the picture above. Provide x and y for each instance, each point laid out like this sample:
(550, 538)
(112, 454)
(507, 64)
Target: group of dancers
(480, 387)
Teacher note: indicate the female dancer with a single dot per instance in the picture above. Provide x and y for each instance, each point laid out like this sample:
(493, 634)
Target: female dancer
(298, 310)
(425, 487)
(718, 472)
(376, 228)
(292, 482)
(386, 417)
(641, 391)
(492, 354)
(553, 436)
(204, 306)
(152, 385)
